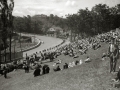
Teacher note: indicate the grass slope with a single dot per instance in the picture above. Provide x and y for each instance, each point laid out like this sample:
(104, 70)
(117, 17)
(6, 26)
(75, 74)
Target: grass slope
(88, 76)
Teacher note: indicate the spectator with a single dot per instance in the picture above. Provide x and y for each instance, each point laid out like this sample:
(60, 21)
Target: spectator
(44, 69)
(47, 69)
(76, 62)
(103, 56)
(37, 72)
(5, 72)
(70, 65)
(80, 62)
(57, 68)
(88, 59)
(65, 66)
(113, 54)
(27, 69)
(73, 63)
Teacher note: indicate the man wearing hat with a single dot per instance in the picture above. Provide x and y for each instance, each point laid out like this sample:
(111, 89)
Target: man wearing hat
(113, 54)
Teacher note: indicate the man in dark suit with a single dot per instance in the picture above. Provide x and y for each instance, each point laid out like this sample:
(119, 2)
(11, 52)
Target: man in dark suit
(47, 69)
(113, 54)
(57, 68)
(65, 66)
(37, 72)
(44, 69)
(5, 72)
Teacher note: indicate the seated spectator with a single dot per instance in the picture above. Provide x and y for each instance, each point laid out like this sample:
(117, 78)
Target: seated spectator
(37, 72)
(76, 56)
(73, 63)
(76, 62)
(65, 66)
(47, 69)
(103, 56)
(88, 59)
(44, 69)
(57, 68)
(59, 61)
(70, 65)
(80, 62)
(54, 64)
(71, 54)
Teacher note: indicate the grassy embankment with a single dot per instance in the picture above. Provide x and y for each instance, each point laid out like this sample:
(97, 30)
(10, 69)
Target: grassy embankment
(88, 76)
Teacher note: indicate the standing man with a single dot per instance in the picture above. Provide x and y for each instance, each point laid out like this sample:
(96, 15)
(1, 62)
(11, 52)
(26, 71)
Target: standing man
(113, 54)
(5, 72)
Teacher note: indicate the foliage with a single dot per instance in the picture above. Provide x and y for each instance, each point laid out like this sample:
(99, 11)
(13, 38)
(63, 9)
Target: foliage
(37, 24)
(101, 18)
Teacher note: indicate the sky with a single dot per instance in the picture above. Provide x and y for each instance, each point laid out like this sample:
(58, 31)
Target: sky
(56, 7)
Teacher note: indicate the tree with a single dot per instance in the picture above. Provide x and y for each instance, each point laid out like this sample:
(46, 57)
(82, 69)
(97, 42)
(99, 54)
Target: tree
(101, 11)
(7, 22)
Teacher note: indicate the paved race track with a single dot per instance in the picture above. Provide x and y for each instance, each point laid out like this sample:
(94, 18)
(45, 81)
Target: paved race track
(48, 42)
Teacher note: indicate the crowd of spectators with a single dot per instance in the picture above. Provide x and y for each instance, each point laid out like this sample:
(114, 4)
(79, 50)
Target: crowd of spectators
(73, 49)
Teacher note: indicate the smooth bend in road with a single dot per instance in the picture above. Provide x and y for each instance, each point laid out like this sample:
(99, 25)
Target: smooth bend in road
(48, 42)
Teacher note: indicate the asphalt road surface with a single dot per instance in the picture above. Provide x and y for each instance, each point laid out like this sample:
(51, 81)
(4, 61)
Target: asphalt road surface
(48, 42)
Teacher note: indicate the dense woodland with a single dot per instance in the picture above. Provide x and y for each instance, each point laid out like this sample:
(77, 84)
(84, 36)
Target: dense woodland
(38, 24)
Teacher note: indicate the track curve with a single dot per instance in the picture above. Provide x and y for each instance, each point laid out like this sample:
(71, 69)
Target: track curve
(48, 42)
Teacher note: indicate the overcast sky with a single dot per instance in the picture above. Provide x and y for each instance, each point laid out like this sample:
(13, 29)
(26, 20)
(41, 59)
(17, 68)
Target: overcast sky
(56, 7)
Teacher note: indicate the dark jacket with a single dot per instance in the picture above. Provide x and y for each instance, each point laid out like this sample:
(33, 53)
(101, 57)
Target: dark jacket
(37, 72)
(47, 69)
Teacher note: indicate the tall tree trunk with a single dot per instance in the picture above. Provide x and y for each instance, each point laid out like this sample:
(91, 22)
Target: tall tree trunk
(20, 42)
(5, 54)
(71, 36)
(14, 49)
(10, 46)
(0, 56)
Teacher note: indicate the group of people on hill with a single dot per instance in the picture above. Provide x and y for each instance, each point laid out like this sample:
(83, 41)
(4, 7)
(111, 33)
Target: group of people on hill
(45, 70)
(83, 45)
(73, 49)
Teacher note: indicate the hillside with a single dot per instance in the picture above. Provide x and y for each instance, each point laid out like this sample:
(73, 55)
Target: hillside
(88, 76)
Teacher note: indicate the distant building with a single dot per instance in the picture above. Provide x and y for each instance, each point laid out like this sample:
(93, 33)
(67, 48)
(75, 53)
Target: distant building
(55, 31)
(52, 30)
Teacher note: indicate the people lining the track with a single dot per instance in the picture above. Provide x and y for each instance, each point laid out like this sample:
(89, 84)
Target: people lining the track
(73, 50)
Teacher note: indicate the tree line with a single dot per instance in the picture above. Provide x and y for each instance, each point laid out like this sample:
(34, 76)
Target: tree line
(101, 18)
(38, 23)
